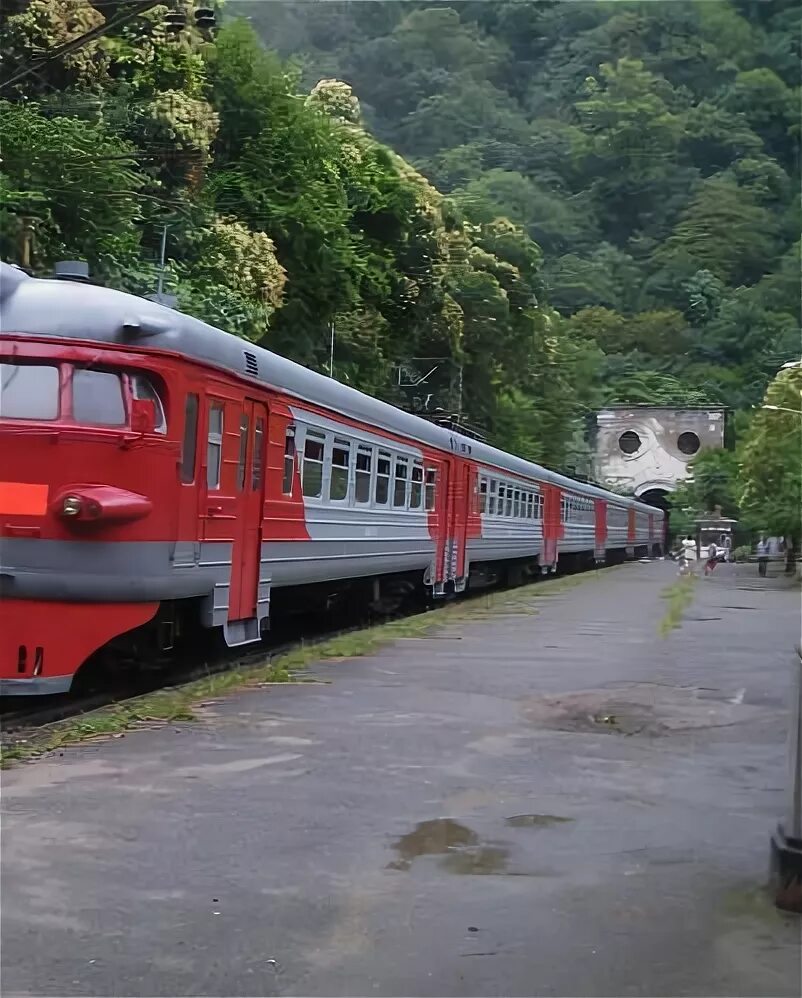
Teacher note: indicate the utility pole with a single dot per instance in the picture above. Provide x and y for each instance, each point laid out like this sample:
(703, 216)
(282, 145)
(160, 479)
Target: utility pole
(162, 255)
(25, 241)
(331, 349)
(786, 843)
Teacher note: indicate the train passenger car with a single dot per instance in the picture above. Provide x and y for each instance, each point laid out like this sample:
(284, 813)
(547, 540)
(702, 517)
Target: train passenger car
(159, 474)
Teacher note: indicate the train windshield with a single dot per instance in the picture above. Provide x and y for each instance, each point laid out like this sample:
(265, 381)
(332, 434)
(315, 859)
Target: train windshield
(85, 396)
(29, 391)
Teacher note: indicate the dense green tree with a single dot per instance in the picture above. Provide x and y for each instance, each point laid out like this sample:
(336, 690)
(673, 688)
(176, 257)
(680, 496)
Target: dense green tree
(770, 466)
(621, 219)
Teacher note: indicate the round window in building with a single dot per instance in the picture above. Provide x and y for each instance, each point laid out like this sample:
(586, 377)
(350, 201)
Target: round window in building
(629, 442)
(688, 443)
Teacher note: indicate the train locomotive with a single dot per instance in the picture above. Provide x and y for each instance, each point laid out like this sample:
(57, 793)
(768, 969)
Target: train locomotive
(158, 474)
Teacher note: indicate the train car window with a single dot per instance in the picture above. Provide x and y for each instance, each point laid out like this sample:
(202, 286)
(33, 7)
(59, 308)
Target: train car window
(400, 483)
(289, 461)
(431, 485)
(97, 398)
(312, 476)
(539, 506)
(482, 495)
(28, 391)
(416, 487)
(214, 447)
(340, 468)
(508, 502)
(530, 506)
(244, 430)
(258, 453)
(189, 445)
(491, 505)
(142, 388)
(502, 494)
(383, 478)
(516, 503)
(364, 467)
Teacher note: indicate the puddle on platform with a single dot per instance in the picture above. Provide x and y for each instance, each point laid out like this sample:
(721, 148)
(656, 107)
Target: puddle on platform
(535, 820)
(459, 846)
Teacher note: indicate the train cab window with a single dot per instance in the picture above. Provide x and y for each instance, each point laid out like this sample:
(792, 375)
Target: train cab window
(383, 478)
(244, 430)
(189, 444)
(340, 468)
(142, 388)
(97, 398)
(364, 467)
(289, 461)
(312, 476)
(258, 454)
(400, 483)
(416, 487)
(28, 391)
(214, 447)
(431, 485)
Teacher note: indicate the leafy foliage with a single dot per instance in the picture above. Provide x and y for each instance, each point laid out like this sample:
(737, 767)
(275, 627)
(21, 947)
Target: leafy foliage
(770, 466)
(590, 202)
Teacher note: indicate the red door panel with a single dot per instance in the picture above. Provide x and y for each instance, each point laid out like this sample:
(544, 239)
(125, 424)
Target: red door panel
(552, 527)
(600, 512)
(232, 493)
(247, 551)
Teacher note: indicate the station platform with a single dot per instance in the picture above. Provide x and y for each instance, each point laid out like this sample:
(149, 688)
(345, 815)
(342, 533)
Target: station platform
(545, 797)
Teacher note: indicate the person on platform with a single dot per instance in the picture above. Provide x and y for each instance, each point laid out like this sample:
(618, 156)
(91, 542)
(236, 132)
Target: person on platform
(712, 559)
(762, 552)
(688, 555)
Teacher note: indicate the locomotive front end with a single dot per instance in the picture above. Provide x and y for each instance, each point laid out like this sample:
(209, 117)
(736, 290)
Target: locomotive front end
(83, 538)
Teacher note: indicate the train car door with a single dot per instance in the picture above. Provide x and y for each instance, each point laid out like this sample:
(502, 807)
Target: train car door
(247, 549)
(438, 507)
(231, 511)
(460, 507)
(600, 514)
(552, 525)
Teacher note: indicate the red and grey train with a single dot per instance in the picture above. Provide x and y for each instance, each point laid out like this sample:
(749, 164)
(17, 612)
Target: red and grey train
(157, 473)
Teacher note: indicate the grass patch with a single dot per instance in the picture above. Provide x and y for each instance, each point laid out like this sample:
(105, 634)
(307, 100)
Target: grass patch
(679, 596)
(179, 703)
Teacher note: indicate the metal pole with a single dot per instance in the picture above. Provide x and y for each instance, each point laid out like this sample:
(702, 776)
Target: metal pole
(786, 843)
(331, 351)
(162, 256)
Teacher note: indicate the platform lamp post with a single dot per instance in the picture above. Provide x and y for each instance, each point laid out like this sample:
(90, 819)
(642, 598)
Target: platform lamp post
(786, 843)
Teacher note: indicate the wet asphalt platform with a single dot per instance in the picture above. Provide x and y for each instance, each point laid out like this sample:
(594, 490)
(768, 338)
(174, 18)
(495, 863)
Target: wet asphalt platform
(548, 799)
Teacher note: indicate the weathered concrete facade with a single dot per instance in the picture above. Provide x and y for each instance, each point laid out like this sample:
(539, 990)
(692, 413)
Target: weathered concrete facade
(640, 448)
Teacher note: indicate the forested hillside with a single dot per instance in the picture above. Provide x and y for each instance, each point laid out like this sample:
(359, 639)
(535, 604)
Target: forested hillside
(553, 205)
(284, 215)
(649, 149)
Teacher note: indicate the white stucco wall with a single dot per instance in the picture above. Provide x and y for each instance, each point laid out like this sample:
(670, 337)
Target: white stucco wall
(658, 463)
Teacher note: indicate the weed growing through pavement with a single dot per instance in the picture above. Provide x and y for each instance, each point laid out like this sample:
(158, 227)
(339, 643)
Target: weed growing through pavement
(679, 596)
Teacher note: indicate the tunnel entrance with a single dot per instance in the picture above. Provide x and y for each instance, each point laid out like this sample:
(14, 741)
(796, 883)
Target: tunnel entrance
(659, 499)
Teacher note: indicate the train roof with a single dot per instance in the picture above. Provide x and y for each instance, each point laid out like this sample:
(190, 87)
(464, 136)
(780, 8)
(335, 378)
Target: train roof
(73, 310)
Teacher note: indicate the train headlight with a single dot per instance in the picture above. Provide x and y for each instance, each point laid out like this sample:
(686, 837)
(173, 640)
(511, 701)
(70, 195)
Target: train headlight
(71, 506)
